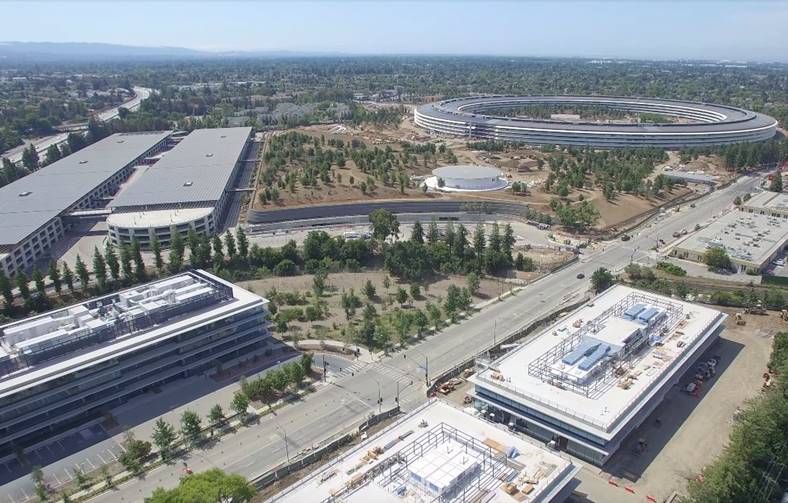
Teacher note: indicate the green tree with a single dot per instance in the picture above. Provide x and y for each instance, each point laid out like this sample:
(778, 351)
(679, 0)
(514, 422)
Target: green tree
(229, 243)
(402, 296)
(434, 314)
(164, 437)
(30, 158)
(112, 261)
(68, 277)
(306, 363)
(601, 279)
(7, 290)
(240, 404)
(191, 427)
(23, 284)
(176, 252)
(243, 243)
(717, 259)
(369, 290)
(415, 291)
(212, 486)
(99, 269)
(420, 321)
(776, 184)
(54, 276)
(82, 274)
(38, 280)
(417, 234)
(384, 224)
(432, 233)
(216, 417)
(139, 263)
(155, 246)
(135, 453)
(126, 264)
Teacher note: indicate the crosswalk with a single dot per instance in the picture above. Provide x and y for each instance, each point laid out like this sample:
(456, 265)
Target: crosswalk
(379, 368)
(350, 371)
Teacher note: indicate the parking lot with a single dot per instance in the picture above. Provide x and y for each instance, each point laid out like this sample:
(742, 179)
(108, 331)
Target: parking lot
(692, 428)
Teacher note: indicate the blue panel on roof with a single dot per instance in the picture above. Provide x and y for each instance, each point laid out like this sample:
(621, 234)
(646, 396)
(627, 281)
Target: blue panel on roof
(633, 311)
(586, 346)
(594, 357)
(647, 315)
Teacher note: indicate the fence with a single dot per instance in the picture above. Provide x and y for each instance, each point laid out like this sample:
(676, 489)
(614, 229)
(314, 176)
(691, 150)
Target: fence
(517, 334)
(330, 445)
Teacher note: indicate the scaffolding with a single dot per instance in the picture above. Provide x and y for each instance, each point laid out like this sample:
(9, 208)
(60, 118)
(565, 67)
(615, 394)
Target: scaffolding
(475, 485)
(603, 376)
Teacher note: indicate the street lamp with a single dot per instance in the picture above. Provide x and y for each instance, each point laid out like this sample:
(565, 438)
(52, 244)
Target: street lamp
(284, 434)
(380, 399)
(426, 365)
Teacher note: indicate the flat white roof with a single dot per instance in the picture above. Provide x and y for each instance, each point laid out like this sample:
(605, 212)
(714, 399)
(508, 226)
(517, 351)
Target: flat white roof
(157, 218)
(768, 200)
(436, 420)
(197, 170)
(125, 343)
(604, 414)
(746, 237)
(33, 200)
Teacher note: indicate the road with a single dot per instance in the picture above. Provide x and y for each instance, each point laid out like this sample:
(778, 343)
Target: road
(353, 391)
(42, 144)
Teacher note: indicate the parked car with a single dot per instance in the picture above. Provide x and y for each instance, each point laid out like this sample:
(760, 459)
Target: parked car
(580, 275)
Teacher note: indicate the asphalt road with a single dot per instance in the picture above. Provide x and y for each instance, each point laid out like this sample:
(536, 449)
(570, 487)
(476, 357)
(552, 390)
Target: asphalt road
(353, 391)
(42, 144)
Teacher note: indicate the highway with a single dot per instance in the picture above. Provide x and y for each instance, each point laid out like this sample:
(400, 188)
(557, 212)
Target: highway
(42, 144)
(338, 407)
(353, 392)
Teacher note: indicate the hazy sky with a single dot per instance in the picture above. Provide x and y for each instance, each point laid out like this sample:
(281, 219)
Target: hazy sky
(646, 29)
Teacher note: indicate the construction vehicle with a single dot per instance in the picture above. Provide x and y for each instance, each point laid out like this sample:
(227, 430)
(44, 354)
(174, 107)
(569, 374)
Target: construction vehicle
(756, 309)
(740, 319)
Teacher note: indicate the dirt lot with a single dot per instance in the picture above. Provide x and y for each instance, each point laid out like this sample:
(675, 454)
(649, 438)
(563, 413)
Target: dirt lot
(517, 165)
(693, 430)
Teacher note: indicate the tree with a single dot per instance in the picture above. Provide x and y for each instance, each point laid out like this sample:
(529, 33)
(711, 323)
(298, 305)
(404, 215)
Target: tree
(473, 283)
(213, 486)
(369, 290)
(82, 274)
(38, 280)
(420, 321)
(717, 259)
(191, 427)
(243, 243)
(68, 277)
(319, 283)
(176, 252)
(417, 234)
(601, 280)
(434, 314)
(125, 264)
(216, 417)
(415, 291)
(402, 296)
(30, 158)
(112, 261)
(54, 276)
(384, 224)
(432, 233)
(22, 283)
(135, 452)
(7, 290)
(99, 269)
(229, 243)
(776, 184)
(295, 374)
(52, 154)
(164, 437)
(306, 363)
(155, 246)
(139, 263)
(239, 405)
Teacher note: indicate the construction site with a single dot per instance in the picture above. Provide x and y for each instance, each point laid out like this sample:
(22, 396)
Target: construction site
(590, 379)
(440, 453)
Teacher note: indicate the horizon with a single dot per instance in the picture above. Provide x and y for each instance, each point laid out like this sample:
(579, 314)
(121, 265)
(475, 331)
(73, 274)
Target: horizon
(715, 30)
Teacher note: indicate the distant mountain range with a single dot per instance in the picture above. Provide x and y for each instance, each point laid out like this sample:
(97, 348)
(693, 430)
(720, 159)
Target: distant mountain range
(45, 52)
